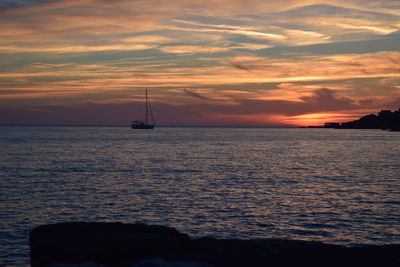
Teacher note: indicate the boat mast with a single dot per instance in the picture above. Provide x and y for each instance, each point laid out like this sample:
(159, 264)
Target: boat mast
(147, 110)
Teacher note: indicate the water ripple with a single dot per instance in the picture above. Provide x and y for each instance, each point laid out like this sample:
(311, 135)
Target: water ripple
(325, 185)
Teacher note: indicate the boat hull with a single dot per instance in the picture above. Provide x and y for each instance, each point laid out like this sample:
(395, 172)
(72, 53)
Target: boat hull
(144, 126)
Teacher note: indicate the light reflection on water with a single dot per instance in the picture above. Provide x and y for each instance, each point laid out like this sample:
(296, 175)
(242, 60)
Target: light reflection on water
(336, 186)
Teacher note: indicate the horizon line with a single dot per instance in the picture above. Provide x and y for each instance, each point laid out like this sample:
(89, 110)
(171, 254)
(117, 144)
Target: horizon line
(162, 126)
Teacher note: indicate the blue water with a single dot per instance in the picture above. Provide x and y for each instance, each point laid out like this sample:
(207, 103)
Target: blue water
(335, 186)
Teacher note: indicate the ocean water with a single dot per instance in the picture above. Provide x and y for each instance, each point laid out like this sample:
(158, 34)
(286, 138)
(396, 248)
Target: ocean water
(335, 186)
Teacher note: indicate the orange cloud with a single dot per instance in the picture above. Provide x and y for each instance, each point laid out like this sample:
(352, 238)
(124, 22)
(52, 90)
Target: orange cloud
(76, 49)
(81, 25)
(192, 49)
(241, 70)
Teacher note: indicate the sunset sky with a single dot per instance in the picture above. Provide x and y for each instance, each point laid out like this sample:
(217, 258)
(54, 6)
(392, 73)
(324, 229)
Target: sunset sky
(219, 62)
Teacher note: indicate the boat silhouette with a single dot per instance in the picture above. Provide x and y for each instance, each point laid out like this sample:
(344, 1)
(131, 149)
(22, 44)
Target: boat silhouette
(140, 124)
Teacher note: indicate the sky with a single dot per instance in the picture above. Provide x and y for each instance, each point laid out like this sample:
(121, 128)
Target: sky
(219, 62)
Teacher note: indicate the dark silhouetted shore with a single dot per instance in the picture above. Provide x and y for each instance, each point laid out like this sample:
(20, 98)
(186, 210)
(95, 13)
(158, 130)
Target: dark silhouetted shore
(118, 244)
(385, 120)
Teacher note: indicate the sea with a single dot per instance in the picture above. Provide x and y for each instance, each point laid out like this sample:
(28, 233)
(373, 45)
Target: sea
(328, 185)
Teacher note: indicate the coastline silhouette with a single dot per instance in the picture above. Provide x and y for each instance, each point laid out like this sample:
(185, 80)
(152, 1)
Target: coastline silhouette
(385, 120)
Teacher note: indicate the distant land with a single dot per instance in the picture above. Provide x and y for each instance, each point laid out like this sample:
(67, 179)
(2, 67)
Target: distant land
(385, 120)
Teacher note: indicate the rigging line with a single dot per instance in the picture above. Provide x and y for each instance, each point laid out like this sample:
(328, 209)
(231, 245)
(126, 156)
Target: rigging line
(151, 114)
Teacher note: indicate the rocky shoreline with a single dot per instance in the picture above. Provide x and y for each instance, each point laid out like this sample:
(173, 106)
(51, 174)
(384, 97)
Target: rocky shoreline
(385, 120)
(119, 244)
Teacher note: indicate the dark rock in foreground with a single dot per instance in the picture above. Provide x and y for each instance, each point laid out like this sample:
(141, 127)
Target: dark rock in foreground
(117, 244)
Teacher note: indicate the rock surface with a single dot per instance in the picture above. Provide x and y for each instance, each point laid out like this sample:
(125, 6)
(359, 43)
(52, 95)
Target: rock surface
(118, 244)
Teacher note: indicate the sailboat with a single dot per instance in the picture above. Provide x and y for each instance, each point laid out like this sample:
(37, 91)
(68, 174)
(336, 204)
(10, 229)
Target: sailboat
(137, 124)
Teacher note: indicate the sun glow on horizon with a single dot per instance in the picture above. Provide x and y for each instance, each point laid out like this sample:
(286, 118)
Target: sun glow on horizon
(318, 119)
